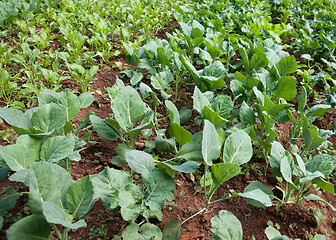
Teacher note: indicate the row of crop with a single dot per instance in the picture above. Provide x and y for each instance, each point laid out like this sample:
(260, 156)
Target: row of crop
(220, 64)
(41, 49)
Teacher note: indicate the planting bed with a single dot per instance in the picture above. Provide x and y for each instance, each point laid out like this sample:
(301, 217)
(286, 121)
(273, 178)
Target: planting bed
(167, 119)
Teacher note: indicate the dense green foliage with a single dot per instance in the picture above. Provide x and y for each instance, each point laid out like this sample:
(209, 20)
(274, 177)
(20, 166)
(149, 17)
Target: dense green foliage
(253, 65)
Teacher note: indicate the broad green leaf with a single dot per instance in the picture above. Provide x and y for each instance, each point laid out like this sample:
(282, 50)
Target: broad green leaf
(47, 182)
(129, 199)
(185, 115)
(274, 234)
(71, 102)
(106, 185)
(223, 105)
(17, 156)
(300, 163)
(104, 128)
(323, 163)
(286, 170)
(276, 156)
(186, 167)
(222, 172)
(200, 100)
(238, 148)
(247, 114)
(15, 118)
(162, 80)
(258, 195)
(311, 176)
(326, 186)
(172, 230)
(128, 107)
(180, 134)
(147, 231)
(78, 199)
(57, 215)
(226, 226)
(8, 201)
(286, 89)
(137, 77)
(191, 152)
(213, 116)
(29, 228)
(139, 161)
(311, 137)
(85, 100)
(318, 110)
(49, 117)
(57, 148)
(287, 65)
(165, 145)
(210, 143)
(131, 232)
(159, 187)
(174, 115)
(150, 231)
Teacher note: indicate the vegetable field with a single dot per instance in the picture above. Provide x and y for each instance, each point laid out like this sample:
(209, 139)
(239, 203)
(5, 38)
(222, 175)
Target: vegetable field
(205, 119)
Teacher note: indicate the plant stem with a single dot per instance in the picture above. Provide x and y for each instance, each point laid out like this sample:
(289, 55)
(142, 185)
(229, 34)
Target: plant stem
(199, 212)
(59, 234)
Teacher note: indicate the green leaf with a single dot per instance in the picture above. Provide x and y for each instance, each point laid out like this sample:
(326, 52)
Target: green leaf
(128, 107)
(172, 230)
(85, 100)
(1, 222)
(57, 148)
(162, 80)
(210, 143)
(277, 153)
(323, 163)
(200, 100)
(165, 145)
(287, 65)
(18, 156)
(104, 128)
(159, 187)
(57, 215)
(326, 186)
(222, 172)
(318, 110)
(258, 195)
(107, 184)
(137, 77)
(47, 182)
(49, 117)
(186, 167)
(29, 228)
(213, 116)
(302, 99)
(311, 137)
(15, 118)
(78, 200)
(286, 89)
(185, 115)
(71, 102)
(131, 232)
(223, 105)
(149, 231)
(238, 148)
(8, 201)
(286, 170)
(174, 115)
(226, 226)
(247, 114)
(180, 134)
(314, 197)
(139, 161)
(191, 152)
